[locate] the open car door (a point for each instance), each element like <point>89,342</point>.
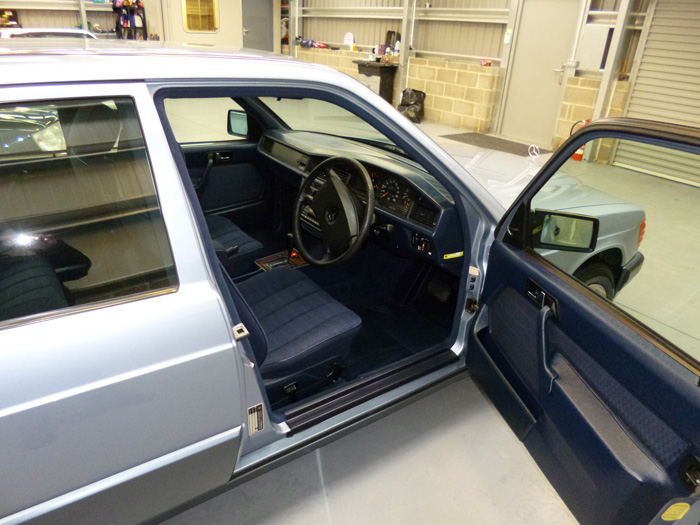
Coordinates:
<point>588,348</point>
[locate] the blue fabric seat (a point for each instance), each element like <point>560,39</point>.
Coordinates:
<point>303,326</point>
<point>229,236</point>
<point>28,285</point>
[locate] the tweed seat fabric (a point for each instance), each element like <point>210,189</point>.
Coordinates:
<point>228,235</point>
<point>304,326</point>
<point>28,285</point>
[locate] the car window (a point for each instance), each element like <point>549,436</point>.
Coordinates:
<point>80,220</point>
<point>644,199</point>
<point>201,119</point>
<point>308,114</point>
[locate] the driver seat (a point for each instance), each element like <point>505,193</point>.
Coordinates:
<point>297,329</point>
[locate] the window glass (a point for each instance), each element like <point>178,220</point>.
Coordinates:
<point>645,199</point>
<point>79,216</point>
<point>307,114</point>
<point>200,119</point>
<point>201,15</point>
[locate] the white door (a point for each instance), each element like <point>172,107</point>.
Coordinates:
<point>543,43</point>
<point>203,22</point>
<point>258,25</point>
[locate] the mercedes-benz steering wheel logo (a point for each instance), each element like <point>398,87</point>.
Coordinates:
<point>331,215</point>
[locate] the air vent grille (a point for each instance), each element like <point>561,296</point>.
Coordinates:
<point>424,215</point>
<point>266,144</point>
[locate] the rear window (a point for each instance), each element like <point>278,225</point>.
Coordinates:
<point>80,221</point>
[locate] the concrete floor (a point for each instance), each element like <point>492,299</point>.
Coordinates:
<point>448,458</point>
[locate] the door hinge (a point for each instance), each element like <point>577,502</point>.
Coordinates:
<point>240,332</point>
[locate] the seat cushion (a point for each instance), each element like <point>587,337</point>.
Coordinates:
<point>228,235</point>
<point>304,325</point>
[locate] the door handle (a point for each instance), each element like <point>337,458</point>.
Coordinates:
<point>560,75</point>
<point>548,310</point>
<point>550,375</point>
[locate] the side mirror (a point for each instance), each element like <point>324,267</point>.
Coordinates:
<point>237,123</point>
<point>567,232</point>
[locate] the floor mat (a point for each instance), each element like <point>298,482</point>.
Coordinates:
<point>489,142</point>
<point>390,333</point>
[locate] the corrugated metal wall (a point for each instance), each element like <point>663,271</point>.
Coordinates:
<point>461,38</point>
<point>667,88</point>
<point>455,27</point>
<point>332,30</point>
<point>353,3</point>
<point>64,19</point>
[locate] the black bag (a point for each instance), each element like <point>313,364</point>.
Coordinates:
<point>412,105</point>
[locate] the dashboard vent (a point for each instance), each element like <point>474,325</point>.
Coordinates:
<point>311,164</point>
<point>266,144</point>
<point>424,215</point>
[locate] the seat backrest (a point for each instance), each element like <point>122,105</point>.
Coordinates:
<point>258,339</point>
<point>28,285</point>
<point>94,129</point>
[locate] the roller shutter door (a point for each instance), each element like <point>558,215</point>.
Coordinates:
<point>667,88</point>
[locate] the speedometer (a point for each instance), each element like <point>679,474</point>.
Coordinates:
<point>389,191</point>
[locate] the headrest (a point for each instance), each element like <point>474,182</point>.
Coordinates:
<point>95,129</point>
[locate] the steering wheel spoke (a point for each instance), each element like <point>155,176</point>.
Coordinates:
<point>343,221</point>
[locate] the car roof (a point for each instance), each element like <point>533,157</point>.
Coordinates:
<point>35,62</point>
<point>52,30</point>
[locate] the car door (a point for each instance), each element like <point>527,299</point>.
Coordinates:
<point>119,376</point>
<point>603,391</point>
<point>222,158</point>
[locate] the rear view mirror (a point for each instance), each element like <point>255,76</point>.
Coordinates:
<point>237,123</point>
<point>568,232</point>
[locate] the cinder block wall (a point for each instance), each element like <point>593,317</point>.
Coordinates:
<point>458,93</point>
<point>579,101</point>
<point>578,104</point>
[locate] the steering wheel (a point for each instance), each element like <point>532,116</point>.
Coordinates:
<point>343,220</point>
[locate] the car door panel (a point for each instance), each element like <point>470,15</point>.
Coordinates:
<point>229,179</point>
<point>137,402</point>
<point>594,386</point>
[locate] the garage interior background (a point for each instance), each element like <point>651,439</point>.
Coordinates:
<point>550,64</point>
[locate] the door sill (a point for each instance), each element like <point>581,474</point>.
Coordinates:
<point>307,414</point>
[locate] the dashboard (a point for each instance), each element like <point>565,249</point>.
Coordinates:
<point>413,210</point>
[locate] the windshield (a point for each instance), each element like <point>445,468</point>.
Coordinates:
<point>318,116</point>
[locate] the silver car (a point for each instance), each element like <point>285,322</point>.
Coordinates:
<point>223,261</point>
<point>614,260</point>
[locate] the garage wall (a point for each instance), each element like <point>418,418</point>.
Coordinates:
<point>65,18</point>
<point>464,28</point>
<point>459,93</point>
<point>666,86</point>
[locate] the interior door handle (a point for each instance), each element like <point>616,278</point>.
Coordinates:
<point>543,316</point>
<point>548,310</point>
